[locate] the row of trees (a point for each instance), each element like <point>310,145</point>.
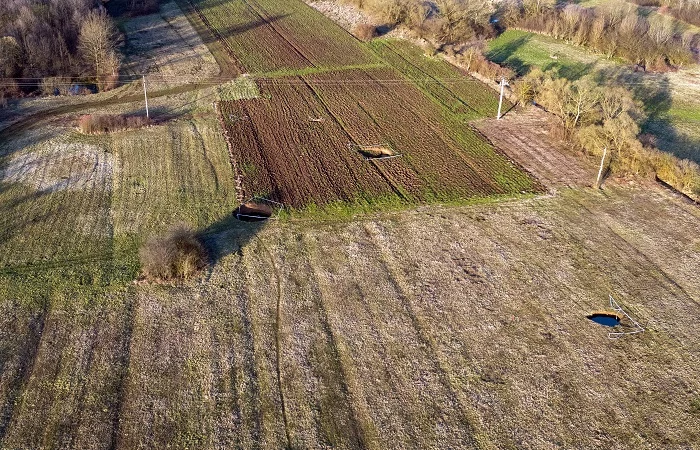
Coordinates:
<point>43,39</point>
<point>614,28</point>
<point>598,117</point>
<point>685,10</point>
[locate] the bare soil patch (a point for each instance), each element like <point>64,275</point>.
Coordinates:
<point>525,136</point>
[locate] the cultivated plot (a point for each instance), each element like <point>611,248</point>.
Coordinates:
<point>304,144</point>
<point>450,86</point>
<point>268,36</point>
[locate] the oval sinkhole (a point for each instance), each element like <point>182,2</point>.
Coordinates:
<point>376,151</point>
<point>605,318</point>
<point>253,212</point>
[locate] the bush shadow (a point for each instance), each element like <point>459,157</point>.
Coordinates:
<point>228,235</point>
<point>504,55</point>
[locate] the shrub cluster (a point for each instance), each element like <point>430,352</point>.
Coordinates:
<point>685,10</point>
<point>596,117</point>
<point>365,31</point>
<point>615,28</point>
<point>444,22</point>
<point>471,57</point>
<point>107,123</point>
<point>49,38</point>
<point>177,254</point>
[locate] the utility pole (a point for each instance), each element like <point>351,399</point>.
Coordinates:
<point>500,101</point>
<point>600,171</point>
<point>145,95</point>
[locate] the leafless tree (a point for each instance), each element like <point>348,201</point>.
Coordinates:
<point>98,43</point>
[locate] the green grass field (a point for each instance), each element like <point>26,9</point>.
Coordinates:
<point>522,50</point>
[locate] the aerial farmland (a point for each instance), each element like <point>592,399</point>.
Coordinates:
<point>368,258</point>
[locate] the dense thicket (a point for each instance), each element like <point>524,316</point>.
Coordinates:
<point>598,117</point>
<point>43,39</point>
<point>685,10</point>
<point>132,7</point>
<point>445,22</point>
<point>614,28</point>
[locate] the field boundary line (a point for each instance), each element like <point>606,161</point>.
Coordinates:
<point>237,172</point>
<point>215,33</point>
<point>539,183</point>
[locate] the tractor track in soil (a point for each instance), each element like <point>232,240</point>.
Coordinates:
<point>278,343</point>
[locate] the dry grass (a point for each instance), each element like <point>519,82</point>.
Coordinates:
<point>365,31</point>
<point>438,328</point>
<point>177,254</point>
<point>166,46</point>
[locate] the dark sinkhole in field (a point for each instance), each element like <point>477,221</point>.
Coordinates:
<point>606,319</point>
<point>253,212</point>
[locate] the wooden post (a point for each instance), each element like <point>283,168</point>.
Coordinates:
<point>600,171</point>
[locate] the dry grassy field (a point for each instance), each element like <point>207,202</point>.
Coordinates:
<point>414,325</point>
<point>443,327</point>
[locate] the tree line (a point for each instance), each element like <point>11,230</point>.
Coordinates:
<point>594,117</point>
<point>614,28</point>
<point>685,10</point>
<point>48,44</point>
<point>444,22</point>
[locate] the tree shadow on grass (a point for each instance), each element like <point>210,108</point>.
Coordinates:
<point>654,93</point>
<point>571,71</point>
<point>504,55</point>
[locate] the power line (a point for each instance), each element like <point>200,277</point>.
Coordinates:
<point>302,78</point>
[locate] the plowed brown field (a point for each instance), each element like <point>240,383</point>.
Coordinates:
<point>292,145</point>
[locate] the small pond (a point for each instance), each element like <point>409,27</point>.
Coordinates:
<point>609,320</point>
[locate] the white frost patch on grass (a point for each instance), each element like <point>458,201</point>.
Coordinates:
<point>62,166</point>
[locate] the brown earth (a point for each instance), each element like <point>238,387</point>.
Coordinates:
<point>526,136</point>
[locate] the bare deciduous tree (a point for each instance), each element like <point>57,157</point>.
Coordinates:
<point>98,44</point>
